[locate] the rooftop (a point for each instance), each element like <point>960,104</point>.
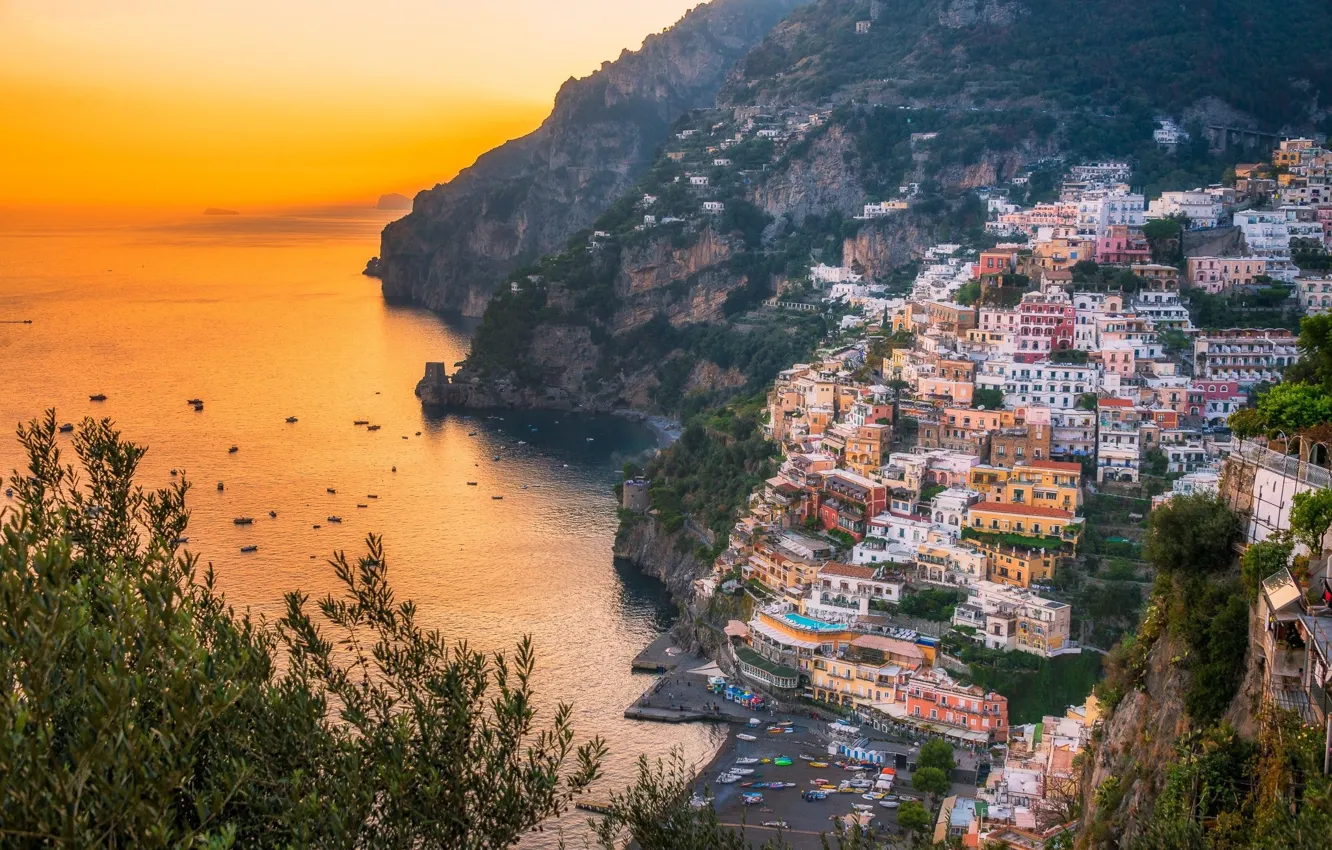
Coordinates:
<point>1022,510</point>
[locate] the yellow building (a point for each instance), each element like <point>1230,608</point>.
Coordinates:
<point>1032,521</point>
<point>870,671</point>
<point>867,450</point>
<point>1017,566</point>
<point>1048,484</point>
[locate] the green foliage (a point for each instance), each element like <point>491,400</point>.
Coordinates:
<point>1087,401</point>
<point>501,342</point>
<point>936,753</point>
<point>1156,461</point>
<point>1213,621</point>
<point>1292,408</point>
<point>711,470</point>
<point>1260,561</point>
<point>140,710</point>
<point>930,780</point>
<point>1034,686</point>
<point>1191,536</point>
<point>988,398</point>
<point>931,603</point>
<point>913,817</point>
<point>1239,309</point>
<point>1174,341</point>
<point>1072,356</point>
<point>1310,518</point>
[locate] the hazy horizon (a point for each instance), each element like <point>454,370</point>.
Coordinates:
<point>240,104</point>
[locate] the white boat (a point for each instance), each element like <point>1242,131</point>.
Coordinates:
<point>746,761</point>
<point>742,771</point>
<point>728,778</point>
<point>804,757</point>
<point>742,736</point>
<point>889,804</point>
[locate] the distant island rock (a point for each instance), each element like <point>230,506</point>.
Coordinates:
<point>372,268</point>
<point>394,201</point>
<point>219,211</point>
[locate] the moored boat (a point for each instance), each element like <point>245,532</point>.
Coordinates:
<point>249,548</point>
<point>233,450</point>
<point>373,427</point>
<point>66,428</point>
<point>98,397</point>
<point>335,519</point>
<point>292,419</point>
<point>243,520</point>
<point>361,422</point>
<point>746,737</point>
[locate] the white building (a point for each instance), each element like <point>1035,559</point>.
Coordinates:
<point>1009,618</point>
<point>1169,134</point>
<point>1202,207</point>
<point>714,207</point>
<point>698,180</point>
<point>1099,210</point>
<point>883,208</point>
<point>1266,232</point>
<point>1072,433</point>
<point>833,274</point>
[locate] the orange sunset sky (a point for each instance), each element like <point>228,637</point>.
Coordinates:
<point>271,102</point>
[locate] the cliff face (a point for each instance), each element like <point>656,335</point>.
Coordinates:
<point>662,555</point>
<point>525,198</point>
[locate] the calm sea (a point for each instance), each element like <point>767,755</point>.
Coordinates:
<point>265,318</point>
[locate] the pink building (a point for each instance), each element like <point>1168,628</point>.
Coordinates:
<point>1118,357</point>
<point>959,391</point>
<point>1217,274</point>
<point>1044,325</point>
<point>1214,399</point>
<point>1122,245</point>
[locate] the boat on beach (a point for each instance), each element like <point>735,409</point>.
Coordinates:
<point>746,737</point>
<point>746,761</point>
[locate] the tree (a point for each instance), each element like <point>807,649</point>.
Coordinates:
<point>1174,341</point>
<point>936,753</point>
<point>1261,560</point>
<point>988,398</point>
<point>1087,401</point>
<point>1310,518</point>
<point>1247,423</point>
<point>1292,408</point>
<point>931,780</point>
<point>1191,535</point>
<point>140,710</point>
<point>913,817</point>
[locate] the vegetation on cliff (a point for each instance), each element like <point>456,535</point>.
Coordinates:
<point>1096,55</point>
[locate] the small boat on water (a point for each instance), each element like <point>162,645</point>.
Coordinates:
<point>173,473</point>
<point>249,548</point>
<point>194,401</point>
<point>395,469</point>
<point>181,541</point>
<point>471,433</point>
<point>496,457</point>
<point>804,757</point>
<point>371,496</point>
<point>331,491</point>
<point>361,422</point>
<point>746,737</point>
<point>497,498</point>
<point>318,526</point>
<point>373,427</point>
<point>291,419</point>
<point>219,486</point>
<point>471,483</point>
<point>273,514</point>
<point>198,407</point>
<point>524,486</point>
<point>98,397</point>
<point>66,428</point>
<point>233,450</point>
<point>418,433</point>
<point>746,761</point>
<point>522,442</point>
<point>243,520</point>
<point>335,519</point>
<point>743,771</point>
<point>590,439</point>
<point>362,506</point>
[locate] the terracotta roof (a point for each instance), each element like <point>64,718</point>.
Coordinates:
<point>1056,465</point>
<point>1021,510</point>
<point>891,646</point>
<point>848,570</point>
<point>1114,402</point>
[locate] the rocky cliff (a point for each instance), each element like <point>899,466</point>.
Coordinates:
<point>525,198</point>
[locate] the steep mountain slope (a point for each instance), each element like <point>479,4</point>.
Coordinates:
<point>1169,55</point>
<point>820,119</point>
<point>524,198</point>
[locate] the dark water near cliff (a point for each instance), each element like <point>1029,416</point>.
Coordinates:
<point>265,318</point>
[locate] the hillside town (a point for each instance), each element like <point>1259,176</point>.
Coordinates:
<point>944,449</point>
